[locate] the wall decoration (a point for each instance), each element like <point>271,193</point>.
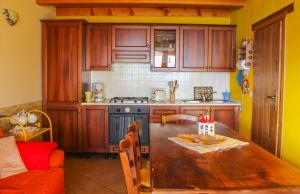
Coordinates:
<point>245,86</point>
<point>11,16</point>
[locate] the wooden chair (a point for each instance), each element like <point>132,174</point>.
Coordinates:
<point>136,144</point>
<point>126,153</point>
<point>176,117</point>
<point>143,171</point>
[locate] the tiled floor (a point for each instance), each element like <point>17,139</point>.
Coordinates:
<point>94,175</point>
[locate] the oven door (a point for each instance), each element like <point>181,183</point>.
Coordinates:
<point>143,124</point>
<point>118,126</point>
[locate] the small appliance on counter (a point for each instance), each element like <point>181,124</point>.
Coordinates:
<point>98,94</point>
<point>159,95</point>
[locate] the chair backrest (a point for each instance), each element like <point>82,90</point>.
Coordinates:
<point>176,117</point>
<point>134,129</point>
<point>129,166</point>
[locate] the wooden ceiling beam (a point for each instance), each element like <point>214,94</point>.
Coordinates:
<point>227,4</point>
<point>154,12</point>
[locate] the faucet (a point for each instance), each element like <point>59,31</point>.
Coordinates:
<point>203,98</point>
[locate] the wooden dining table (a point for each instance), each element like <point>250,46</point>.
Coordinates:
<point>246,169</point>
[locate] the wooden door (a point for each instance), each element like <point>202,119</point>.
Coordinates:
<point>229,115</point>
<point>98,47</point>
<point>131,38</point>
<point>165,48</point>
<point>221,49</point>
<point>268,78</point>
<point>193,48</point>
<point>157,111</point>
<point>62,61</point>
<point>95,129</point>
<point>66,126</point>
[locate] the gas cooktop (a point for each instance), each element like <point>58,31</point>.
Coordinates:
<point>129,100</point>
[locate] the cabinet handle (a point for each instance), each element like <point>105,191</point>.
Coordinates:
<point>148,45</point>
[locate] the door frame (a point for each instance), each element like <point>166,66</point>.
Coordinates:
<point>277,17</point>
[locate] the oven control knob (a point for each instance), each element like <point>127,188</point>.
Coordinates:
<point>127,109</point>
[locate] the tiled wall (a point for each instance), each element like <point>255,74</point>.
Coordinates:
<point>138,80</point>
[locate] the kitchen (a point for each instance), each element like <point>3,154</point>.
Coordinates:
<point>126,74</point>
<point>105,67</point>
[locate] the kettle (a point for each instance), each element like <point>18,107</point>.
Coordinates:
<point>159,94</point>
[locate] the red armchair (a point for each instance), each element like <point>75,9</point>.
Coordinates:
<point>50,181</point>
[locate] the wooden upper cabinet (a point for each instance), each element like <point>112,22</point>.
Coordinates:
<point>221,48</point>
<point>131,38</point>
<point>98,47</point>
<point>95,129</point>
<point>193,48</point>
<point>131,43</point>
<point>165,48</point>
<point>62,61</point>
<point>229,115</point>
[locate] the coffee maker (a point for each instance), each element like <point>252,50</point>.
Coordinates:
<point>98,94</point>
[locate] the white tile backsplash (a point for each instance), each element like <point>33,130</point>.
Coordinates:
<point>138,80</point>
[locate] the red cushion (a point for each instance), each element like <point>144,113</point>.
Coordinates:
<point>1,133</point>
<point>34,182</point>
<point>36,155</point>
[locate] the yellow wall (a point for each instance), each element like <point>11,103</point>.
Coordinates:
<point>254,11</point>
<point>20,53</point>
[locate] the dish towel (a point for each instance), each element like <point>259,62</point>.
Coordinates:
<point>228,143</point>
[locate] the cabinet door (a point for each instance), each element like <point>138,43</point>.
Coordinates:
<point>221,49</point>
<point>62,61</point>
<point>157,111</point>
<point>229,115</point>
<point>98,47</point>
<point>194,110</point>
<point>131,38</point>
<point>165,48</point>
<point>66,126</point>
<point>193,48</point>
<point>129,56</point>
<point>95,129</point>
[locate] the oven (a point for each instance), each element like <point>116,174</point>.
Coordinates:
<point>120,116</point>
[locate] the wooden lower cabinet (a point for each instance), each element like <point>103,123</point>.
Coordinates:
<point>229,115</point>
<point>157,111</point>
<point>194,110</point>
<point>95,129</point>
<point>66,126</point>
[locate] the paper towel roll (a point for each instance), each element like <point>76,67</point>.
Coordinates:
<point>241,65</point>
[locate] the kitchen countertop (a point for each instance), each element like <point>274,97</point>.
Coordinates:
<point>216,102</point>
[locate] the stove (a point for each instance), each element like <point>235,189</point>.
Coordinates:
<point>129,100</point>
<point>122,112</point>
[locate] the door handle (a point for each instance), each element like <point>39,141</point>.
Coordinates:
<point>274,98</point>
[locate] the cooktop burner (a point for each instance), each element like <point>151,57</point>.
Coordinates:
<point>129,100</point>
